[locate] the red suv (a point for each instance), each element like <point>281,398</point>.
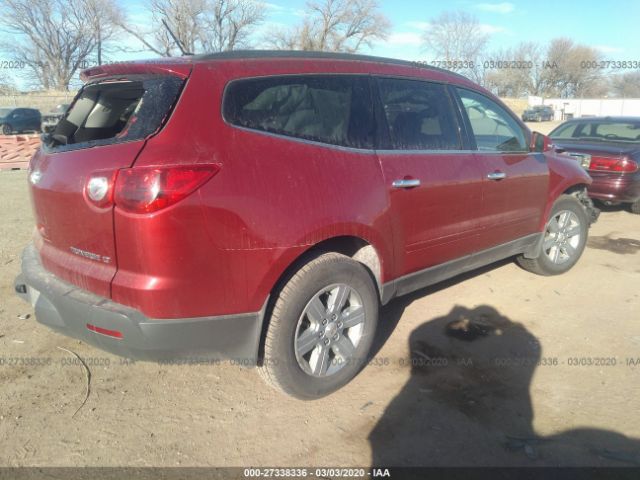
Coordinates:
<point>261,206</point>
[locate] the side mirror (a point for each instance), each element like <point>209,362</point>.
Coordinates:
<point>540,143</point>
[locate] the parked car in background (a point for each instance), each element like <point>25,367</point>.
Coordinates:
<point>51,119</point>
<point>18,120</point>
<point>609,148</point>
<point>539,113</point>
<point>261,206</point>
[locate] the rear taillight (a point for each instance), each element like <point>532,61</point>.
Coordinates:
<point>99,188</point>
<point>148,189</point>
<point>613,164</point>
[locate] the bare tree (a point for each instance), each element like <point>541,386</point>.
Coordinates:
<point>230,24</point>
<point>566,72</point>
<point>517,71</point>
<point>457,38</point>
<point>626,85</point>
<point>199,25</point>
<point>54,38</point>
<point>106,16</point>
<point>335,25</point>
<point>7,85</point>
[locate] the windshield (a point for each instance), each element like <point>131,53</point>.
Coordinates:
<point>599,131</point>
<point>5,111</point>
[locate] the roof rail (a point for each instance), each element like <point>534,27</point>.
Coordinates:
<point>243,54</point>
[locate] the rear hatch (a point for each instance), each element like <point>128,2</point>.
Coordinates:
<point>71,177</point>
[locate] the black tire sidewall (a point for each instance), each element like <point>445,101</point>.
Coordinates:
<point>350,273</point>
<point>570,204</point>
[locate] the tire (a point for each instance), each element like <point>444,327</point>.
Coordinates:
<point>635,207</point>
<point>565,237</point>
<point>7,129</point>
<point>303,310</point>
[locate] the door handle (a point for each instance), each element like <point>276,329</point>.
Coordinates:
<point>406,183</point>
<point>496,175</point>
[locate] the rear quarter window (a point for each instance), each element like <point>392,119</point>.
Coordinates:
<point>329,109</point>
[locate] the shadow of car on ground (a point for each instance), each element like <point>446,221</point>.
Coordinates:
<point>468,403</point>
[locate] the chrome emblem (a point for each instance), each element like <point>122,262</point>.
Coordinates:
<point>35,177</point>
<point>90,255</point>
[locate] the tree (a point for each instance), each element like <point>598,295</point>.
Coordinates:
<point>54,38</point>
<point>106,16</point>
<point>626,85</point>
<point>566,72</point>
<point>559,70</point>
<point>199,25</point>
<point>517,71</point>
<point>457,38</point>
<point>335,26</point>
<point>7,86</point>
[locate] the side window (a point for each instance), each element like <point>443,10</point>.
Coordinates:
<point>419,115</point>
<point>331,109</point>
<point>493,128</point>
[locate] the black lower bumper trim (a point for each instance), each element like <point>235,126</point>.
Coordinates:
<point>68,309</point>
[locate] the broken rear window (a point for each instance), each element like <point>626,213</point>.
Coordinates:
<point>115,111</point>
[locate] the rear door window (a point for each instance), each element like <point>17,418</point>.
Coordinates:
<point>114,111</point>
<point>494,129</point>
<point>332,109</point>
<point>419,115</point>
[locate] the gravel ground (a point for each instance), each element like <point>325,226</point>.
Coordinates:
<point>498,367</point>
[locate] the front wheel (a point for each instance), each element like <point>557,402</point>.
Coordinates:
<point>565,237</point>
<point>321,327</point>
<point>6,129</point>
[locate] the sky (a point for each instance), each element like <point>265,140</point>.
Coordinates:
<point>611,25</point>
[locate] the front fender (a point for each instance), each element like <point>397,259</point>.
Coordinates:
<point>565,174</point>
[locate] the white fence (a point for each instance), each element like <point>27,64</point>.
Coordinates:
<point>565,108</point>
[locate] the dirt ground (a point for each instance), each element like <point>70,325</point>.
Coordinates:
<point>498,367</point>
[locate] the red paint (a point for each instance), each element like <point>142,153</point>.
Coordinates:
<point>221,247</point>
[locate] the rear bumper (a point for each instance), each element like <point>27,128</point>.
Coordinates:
<point>615,188</point>
<point>69,309</point>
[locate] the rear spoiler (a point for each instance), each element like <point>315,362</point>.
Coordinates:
<point>180,67</point>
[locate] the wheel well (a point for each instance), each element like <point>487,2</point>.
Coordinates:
<point>575,189</point>
<point>354,247</point>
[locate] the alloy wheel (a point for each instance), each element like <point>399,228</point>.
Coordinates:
<point>329,330</point>
<point>562,237</point>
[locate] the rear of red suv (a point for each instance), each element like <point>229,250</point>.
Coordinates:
<point>261,207</point>
<point>113,191</point>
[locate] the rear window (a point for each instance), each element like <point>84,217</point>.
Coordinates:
<point>599,131</point>
<point>114,111</point>
<point>330,109</point>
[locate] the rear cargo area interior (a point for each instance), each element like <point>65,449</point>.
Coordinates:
<point>102,111</point>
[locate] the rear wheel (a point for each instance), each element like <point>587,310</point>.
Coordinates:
<point>321,327</point>
<point>565,237</point>
<point>635,207</point>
